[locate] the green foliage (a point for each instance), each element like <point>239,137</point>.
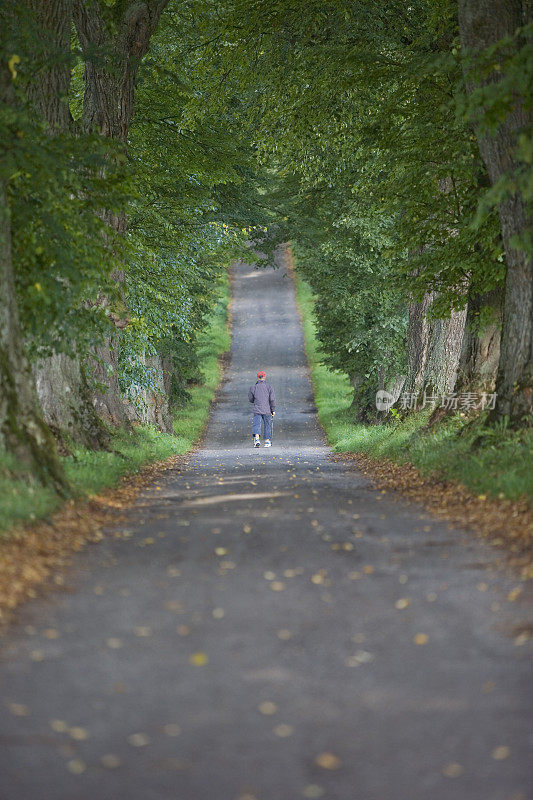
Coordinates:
<point>496,460</point>
<point>89,472</point>
<point>361,113</point>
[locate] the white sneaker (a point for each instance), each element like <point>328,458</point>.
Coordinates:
<point>268,443</point>
<point>257,441</point>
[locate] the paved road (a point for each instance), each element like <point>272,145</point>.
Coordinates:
<point>268,625</point>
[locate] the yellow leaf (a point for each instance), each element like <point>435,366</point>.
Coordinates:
<point>403,602</point>
<point>452,770</point>
<point>500,753</point>
<point>267,708</point>
<point>198,659</point>
<point>79,734</point>
<point>328,761</point>
<point>172,729</point>
<point>18,709</point>
<point>11,65</point>
<point>110,761</point>
<point>138,739</point>
<point>58,725</point>
<point>283,730</point>
<point>76,766</point>
<point>421,638</point>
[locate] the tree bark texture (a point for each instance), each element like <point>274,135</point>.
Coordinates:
<point>67,403</point>
<point>480,352</point>
<point>62,387</point>
<point>483,23</point>
<point>111,66</point>
<point>443,352</point>
<point>417,344</point>
<point>22,430</point>
<point>152,407</point>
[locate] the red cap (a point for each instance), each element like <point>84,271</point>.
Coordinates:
<point>261,374</point>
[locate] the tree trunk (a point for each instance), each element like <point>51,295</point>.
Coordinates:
<point>62,387</point>
<point>481,24</point>
<point>443,352</point>
<point>22,430</point>
<point>66,402</point>
<point>151,407</point>
<point>111,66</point>
<point>480,353</point>
<point>417,344</point>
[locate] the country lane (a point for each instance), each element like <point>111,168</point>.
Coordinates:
<point>267,625</point>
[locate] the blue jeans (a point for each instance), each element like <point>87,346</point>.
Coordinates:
<point>266,419</point>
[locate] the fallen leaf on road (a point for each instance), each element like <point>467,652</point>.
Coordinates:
<point>267,707</point>
<point>283,730</point>
<point>368,570</point>
<point>171,729</point>
<point>328,761</point>
<point>37,655</point>
<point>221,551</point>
<point>110,761</point>
<point>173,605</point>
<point>113,643</point>
<point>78,733</point>
<point>284,634</point>
<point>139,739</point>
<point>218,613</point>
<point>19,709</point>
<point>452,770</point>
<point>58,725</point>
<point>142,630</point>
<point>403,602</point>
<point>76,766</point>
<point>277,586</point>
<point>500,753</point>
<point>421,638</point>
<point>198,659</point>
<point>313,791</point>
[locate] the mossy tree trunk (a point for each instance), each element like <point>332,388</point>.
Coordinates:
<point>483,23</point>
<point>114,40</point>
<point>23,432</point>
<point>61,382</point>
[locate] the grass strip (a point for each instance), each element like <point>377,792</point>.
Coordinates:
<point>491,461</point>
<point>91,471</point>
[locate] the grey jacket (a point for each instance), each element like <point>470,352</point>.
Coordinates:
<point>262,396</point>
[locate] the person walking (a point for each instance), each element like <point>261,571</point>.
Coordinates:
<point>264,400</point>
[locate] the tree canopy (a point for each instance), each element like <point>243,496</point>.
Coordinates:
<point>146,145</point>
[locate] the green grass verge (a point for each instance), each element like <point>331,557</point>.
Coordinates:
<point>89,472</point>
<point>492,461</point>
